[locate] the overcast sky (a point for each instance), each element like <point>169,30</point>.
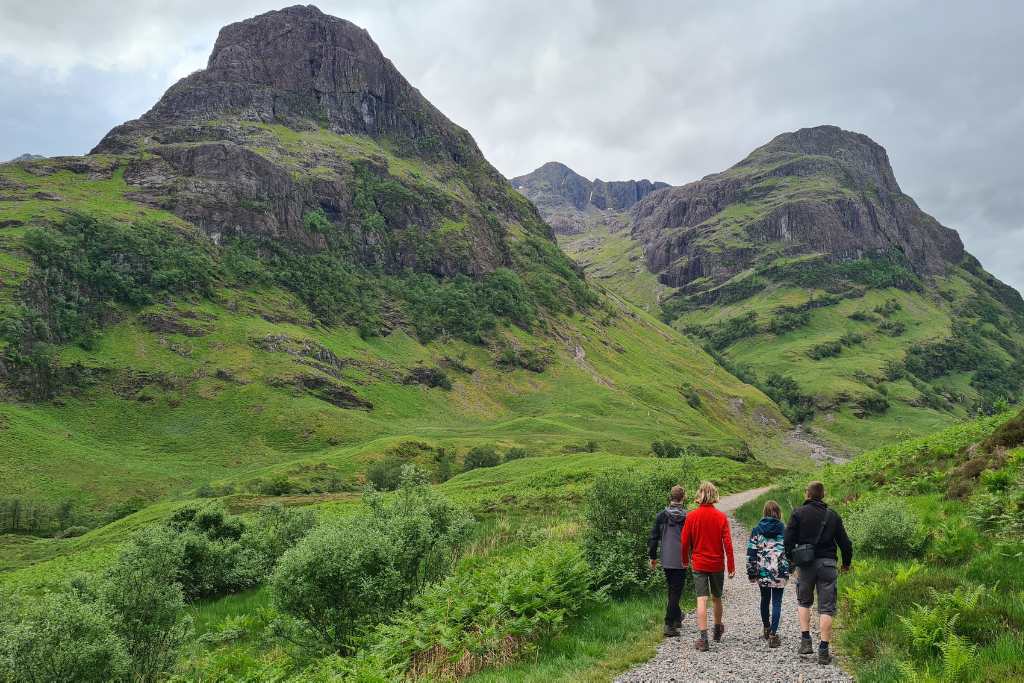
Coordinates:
<point>666,90</point>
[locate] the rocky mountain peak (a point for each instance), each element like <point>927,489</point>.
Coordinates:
<point>300,67</point>
<point>562,195</point>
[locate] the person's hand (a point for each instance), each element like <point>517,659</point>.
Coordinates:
<point>732,575</point>
<point>751,580</point>
<point>686,566</point>
<point>654,564</point>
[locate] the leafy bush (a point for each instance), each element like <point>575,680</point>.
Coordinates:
<point>386,474</point>
<point>480,456</point>
<point>618,515</point>
<point>487,613</point>
<point>271,533</point>
<point>352,573</point>
<point>666,449</point>
<point>887,528</point>
<point>60,638</point>
<point>316,221</point>
<point>788,318</point>
<point>785,391</point>
<point>145,601</point>
<point>516,453</point>
<point>824,350</point>
<point>534,359</point>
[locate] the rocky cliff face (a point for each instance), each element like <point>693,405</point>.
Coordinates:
<point>565,198</point>
<point>817,190</point>
<point>299,114</point>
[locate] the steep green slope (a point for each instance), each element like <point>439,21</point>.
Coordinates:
<point>808,272</point>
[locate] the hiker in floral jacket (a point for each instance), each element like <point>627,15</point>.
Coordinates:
<point>768,567</point>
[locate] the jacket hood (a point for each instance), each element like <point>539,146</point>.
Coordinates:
<point>769,527</point>
<point>676,514</point>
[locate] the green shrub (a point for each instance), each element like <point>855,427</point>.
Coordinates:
<point>824,350</point>
<point>618,514</point>
<point>270,534</point>
<point>60,637</point>
<point>145,602</point>
<point>316,221</point>
<point>350,574</point>
<point>487,613</point>
<point>516,453</point>
<point>386,474</point>
<point>480,456</point>
<point>666,449</point>
<point>887,528</point>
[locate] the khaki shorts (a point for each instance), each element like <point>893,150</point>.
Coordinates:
<point>709,584</point>
<point>820,576</point>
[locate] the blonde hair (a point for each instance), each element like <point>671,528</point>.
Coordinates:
<point>707,493</point>
<point>772,509</point>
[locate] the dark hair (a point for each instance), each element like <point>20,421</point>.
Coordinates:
<point>772,509</point>
<point>816,490</point>
<point>677,494</point>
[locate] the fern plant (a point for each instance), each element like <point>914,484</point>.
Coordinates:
<point>957,658</point>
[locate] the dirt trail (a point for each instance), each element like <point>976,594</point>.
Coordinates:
<point>741,656</point>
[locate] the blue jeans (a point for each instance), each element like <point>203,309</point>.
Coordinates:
<point>775,596</point>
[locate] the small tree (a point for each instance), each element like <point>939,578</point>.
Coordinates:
<point>61,638</point>
<point>481,456</point>
<point>516,454</point>
<point>618,516</point>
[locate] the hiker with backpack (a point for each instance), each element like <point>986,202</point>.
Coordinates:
<point>768,567</point>
<point>707,545</point>
<point>811,537</point>
<point>666,535</point>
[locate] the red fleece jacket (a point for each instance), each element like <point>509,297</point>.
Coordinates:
<point>706,536</point>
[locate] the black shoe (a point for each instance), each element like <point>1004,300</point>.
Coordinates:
<point>806,647</point>
<point>671,631</point>
<point>700,645</point>
<point>767,632</point>
<point>719,630</point>
<point>774,640</point>
<point>678,623</point>
<point>824,658</point>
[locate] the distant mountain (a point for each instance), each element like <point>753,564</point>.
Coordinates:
<point>569,202</point>
<point>26,157</point>
<point>807,270</point>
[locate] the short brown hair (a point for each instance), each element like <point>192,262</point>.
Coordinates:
<point>816,490</point>
<point>677,494</point>
<point>707,493</point>
<point>772,509</point>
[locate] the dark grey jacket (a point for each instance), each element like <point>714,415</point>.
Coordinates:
<point>666,533</point>
<point>803,527</point>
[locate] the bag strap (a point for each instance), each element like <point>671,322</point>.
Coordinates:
<point>824,523</point>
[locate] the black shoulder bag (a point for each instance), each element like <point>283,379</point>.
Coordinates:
<point>803,554</point>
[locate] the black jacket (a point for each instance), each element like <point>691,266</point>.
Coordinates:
<point>803,527</point>
<point>666,533</point>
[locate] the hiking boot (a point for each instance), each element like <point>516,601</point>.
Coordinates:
<point>806,647</point>
<point>671,631</point>
<point>824,657</point>
<point>719,630</point>
<point>700,645</point>
<point>767,632</point>
<point>774,640</point>
<point>678,623</point>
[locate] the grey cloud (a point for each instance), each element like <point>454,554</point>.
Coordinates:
<point>665,90</point>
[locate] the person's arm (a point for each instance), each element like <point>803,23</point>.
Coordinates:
<point>655,538</point>
<point>752,558</point>
<point>727,543</point>
<point>684,541</point>
<point>845,545</point>
<point>792,534</point>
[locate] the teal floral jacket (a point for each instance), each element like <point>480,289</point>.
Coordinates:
<point>766,556</point>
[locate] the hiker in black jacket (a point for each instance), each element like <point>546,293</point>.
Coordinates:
<point>813,532</point>
<point>666,533</point>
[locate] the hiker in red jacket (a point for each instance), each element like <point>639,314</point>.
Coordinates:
<point>707,539</point>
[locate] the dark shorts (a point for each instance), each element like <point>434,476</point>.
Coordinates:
<point>709,584</point>
<point>820,576</point>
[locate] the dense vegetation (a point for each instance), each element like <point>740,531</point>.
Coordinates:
<point>937,589</point>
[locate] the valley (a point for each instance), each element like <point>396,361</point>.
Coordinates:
<point>296,386</point>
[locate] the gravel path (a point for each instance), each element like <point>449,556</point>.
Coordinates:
<point>742,655</point>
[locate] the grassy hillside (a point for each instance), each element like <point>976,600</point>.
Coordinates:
<point>936,591</point>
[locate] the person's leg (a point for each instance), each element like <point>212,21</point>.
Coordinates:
<point>805,582</point>
<point>702,614</point>
<point>826,628</point>
<point>766,595</point>
<point>828,574</point>
<point>673,615</point>
<point>776,595</point>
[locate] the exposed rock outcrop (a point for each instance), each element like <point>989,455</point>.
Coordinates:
<point>818,190</point>
<point>565,198</point>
